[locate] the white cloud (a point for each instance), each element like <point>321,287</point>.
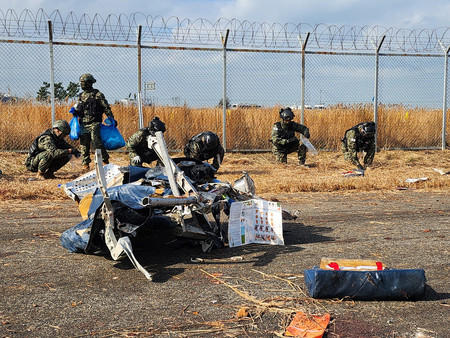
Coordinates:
<point>388,13</point>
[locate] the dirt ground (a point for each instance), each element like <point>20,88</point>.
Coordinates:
<point>47,291</point>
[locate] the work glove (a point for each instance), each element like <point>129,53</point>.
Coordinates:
<point>136,161</point>
<point>306,135</point>
<point>73,111</point>
<point>76,153</point>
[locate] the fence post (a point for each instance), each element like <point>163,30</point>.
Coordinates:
<point>375,95</point>
<point>52,69</point>
<point>302,98</point>
<point>444,103</point>
<point>140,115</point>
<point>224,95</point>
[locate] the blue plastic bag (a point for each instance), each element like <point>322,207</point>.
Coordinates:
<point>74,128</point>
<point>111,137</point>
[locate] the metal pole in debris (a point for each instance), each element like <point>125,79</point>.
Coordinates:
<point>167,163</point>
<point>302,120</point>
<point>444,103</point>
<point>224,94</point>
<point>375,95</point>
<point>140,116</point>
<point>52,69</point>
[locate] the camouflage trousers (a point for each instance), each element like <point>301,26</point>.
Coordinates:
<point>90,133</point>
<point>347,155</point>
<point>43,162</point>
<point>281,152</point>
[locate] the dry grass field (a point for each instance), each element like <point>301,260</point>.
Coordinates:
<point>398,126</point>
<point>388,174</point>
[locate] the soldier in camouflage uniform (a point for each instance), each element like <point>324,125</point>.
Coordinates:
<point>137,144</point>
<point>90,108</point>
<point>283,137</point>
<point>205,146</point>
<point>359,138</point>
<point>49,152</point>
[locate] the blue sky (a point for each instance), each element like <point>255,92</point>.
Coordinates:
<point>408,14</point>
<point>411,14</point>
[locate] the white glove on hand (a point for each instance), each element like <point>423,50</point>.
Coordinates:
<point>137,161</point>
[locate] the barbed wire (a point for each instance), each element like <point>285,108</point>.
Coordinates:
<point>158,30</point>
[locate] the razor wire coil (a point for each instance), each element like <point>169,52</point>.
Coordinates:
<point>173,30</point>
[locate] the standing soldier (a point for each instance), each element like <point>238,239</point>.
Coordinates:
<point>205,146</point>
<point>360,138</point>
<point>90,108</point>
<point>49,152</point>
<point>137,144</point>
<point>283,137</point>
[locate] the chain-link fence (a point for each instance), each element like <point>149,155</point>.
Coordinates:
<point>186,86</point>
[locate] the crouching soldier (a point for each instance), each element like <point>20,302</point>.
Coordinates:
<point>359,138</point>
<point>49,152</point>
<point>283,137</point>
<point>137,145</point>
<point>205,146</point>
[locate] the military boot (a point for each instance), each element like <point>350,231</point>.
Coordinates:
<point>50,175</point>
<point>85,168</point>
<point>302,164</point>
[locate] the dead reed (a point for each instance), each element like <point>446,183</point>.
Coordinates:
<point>399,126</point>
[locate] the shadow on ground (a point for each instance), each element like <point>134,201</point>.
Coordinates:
<point>158,252</point>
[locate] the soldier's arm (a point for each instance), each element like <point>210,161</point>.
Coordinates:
<point>105,105</point>
<point>133,143</point>
<point>300,128</point>
<point>46,143</point>
<point>219,157</point>
<point>368,159</point>
<point>276,136</point>
<point>196,151</point>
<point>66,145</point>
<point>78,107</point>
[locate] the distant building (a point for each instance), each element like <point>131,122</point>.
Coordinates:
<point>244,105</point>
<point>128,102</point>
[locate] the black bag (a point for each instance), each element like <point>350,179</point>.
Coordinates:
<point>199,172</point>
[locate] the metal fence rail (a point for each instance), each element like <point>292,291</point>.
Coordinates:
<point>182,71</point>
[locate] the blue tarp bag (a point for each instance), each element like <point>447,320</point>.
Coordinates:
<point>74,128</point>
<point>76,239</point>
<point>111,137</point>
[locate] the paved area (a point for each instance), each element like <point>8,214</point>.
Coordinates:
<point>46,291</point>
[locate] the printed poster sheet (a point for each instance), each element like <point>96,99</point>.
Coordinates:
<point>255,221</point>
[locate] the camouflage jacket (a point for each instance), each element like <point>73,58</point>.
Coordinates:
<point>282,132</point>
<point>196,149</point>
<point>91,106</point>
<point>354,142</point>
<point>137,143</point>
<point>49,142</point>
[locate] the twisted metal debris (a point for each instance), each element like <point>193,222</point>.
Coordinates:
<point>202,32</point>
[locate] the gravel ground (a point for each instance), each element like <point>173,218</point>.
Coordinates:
<point>47,291</point>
